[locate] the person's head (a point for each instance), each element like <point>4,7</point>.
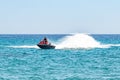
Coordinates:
<point>45,38</point>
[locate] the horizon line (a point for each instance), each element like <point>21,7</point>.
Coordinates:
<point>51,33</point>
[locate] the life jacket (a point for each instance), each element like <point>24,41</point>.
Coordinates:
<point>46,42</point>
<point>41,43</point>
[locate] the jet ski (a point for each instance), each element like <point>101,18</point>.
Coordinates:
<point>44,44</point>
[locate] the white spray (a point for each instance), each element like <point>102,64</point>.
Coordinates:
<point>78,41</point>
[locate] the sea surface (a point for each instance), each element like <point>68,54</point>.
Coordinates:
<point>76,57</point>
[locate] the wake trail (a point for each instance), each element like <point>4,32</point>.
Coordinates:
<point>80,40</point>
<point>25,46</point>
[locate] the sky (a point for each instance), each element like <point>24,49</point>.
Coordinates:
<point>59,16</point>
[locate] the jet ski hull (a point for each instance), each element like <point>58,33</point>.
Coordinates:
<point>46,46</point>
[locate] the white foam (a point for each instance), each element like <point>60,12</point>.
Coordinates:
<point>25,46</point>
<point>79,41</point>
<point>110,45</point>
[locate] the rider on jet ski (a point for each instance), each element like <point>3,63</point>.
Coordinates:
<point>44,44</point>
<point>44,41</point>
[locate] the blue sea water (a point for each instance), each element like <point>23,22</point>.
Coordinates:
<point>21,59</point>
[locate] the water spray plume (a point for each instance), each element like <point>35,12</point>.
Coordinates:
<point>78,41</point>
